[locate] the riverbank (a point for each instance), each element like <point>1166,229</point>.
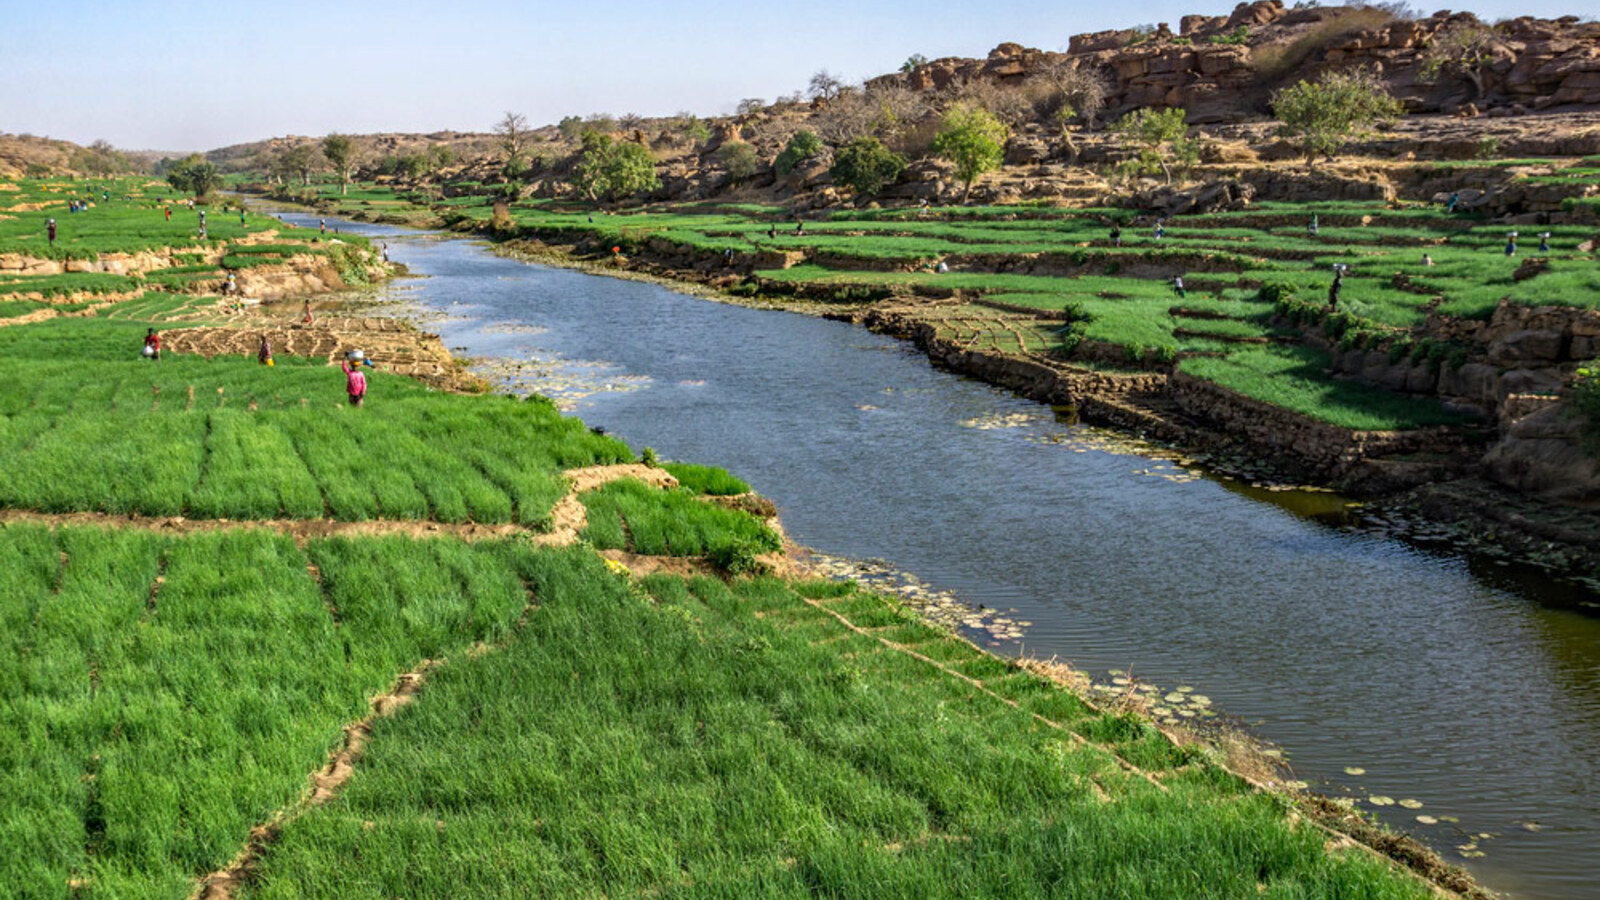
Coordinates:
<point>1406,480</point>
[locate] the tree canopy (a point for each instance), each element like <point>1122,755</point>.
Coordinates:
<point>1323,114</point>
<point>866,165</point>
<point>613,169</point>
<point>193,173</point>
<point>1462,50</point>
<point>973,139</point>
<point>1162,138</point>
<point>340,151</point>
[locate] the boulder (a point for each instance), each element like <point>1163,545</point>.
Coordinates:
<point>1528,345</point>
<point>1544,453</point>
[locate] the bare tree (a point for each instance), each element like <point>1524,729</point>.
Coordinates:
<point>749,106</point>
<point>825,85</point>
<point>1072,90</point>
<point>1462,50</point>
<point>1009,105</point>
<point>847,117</point>
<point>512,134</point>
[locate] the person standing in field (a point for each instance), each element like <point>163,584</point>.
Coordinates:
<point>1161,230</point>
<point>307,318</point>
<point>1511,244</point>
<point>241,215</point>
<point>264,352</point>
<point>1336,287</point>
<point>1116,234</point>
<point>50,228</point>
<point>322,226</point>
<point>152,345</point>
<point>1177,287</point>
<point>355,381</point>
<point>169,214</point>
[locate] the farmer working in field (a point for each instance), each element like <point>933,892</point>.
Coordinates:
<point>152,345</point>
<point>50,228</point>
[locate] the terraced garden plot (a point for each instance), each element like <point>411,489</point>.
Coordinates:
<point>180,437</point>
<point>703,739</point>
<point>160,697</point>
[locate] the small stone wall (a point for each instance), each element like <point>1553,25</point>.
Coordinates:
<point>1329,449</point>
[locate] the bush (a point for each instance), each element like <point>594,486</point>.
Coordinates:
<point>801,147</point>
<point>866,165</point>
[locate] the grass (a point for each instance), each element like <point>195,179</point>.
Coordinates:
<point>1296,378</point>
<point>633,516</point>
<point>703,739</point>
<point>126,439</point>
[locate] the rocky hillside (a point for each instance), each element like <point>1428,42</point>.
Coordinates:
<point>1222,69</point>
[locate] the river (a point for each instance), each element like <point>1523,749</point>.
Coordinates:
<point>1471,689</point>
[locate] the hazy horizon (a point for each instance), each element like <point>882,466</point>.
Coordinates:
<point>154,75</point>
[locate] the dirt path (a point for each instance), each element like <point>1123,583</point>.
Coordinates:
<point>569,515</point>
<point>392,345</point>
<point>325,784</point>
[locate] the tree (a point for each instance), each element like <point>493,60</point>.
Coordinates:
<point>611,170</point>
<point>302,160</point>
<point>193,173</point>
<point>1074,90</point>
<point>1323,114</point>
<point>442,155</point>
<point>1463,50</point>
<point>913,62</point>
<point>341,153</point>
<point>749,106</point>
<point>511,134</point>
<point>802,146</point>
<point>866,165</point>
<point>1161,137</point>
<point>825,85</point>
<point>739,158</point>
<point>973,139</point>
<point>571,127</point>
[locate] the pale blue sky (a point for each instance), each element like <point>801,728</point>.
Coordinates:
<point>171,75</point>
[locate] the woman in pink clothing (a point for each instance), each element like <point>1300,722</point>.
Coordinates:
<point>355,381</point>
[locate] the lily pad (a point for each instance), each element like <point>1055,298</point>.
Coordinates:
<point>1411,804</point>
<point>1174,698</point>
<point>1296,785</point>
<point>1427,820</point>
<point>1354,770</point>
<point>1380,800</point>
<point>1532,826</point>
<point>1199,699</point>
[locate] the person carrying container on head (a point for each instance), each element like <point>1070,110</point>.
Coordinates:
<point>50,229</point>
<point>355,381</point>
<point>1511,243</point>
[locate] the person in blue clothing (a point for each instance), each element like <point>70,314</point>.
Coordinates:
<point>1511,244</point>
<point>1454,199</point>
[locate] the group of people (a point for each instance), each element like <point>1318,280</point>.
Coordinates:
<point>355,380</point>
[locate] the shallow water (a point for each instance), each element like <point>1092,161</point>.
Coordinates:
<point>1471,688</point>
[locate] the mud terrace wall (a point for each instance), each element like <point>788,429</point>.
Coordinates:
<point>1520,353</point>
<point>1330,449</point>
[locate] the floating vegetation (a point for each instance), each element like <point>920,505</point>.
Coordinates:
<point>1380,800</point>
<point>1354,770</point>
<point>1427,820</point>
<point>513,328</point>
<point>993,421</point>
<point>991,627</point>
<point>1411,804</point>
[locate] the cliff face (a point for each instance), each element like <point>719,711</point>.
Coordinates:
<point>1223,69</point>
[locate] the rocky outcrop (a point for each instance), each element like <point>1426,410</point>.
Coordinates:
<point>1544,453</point>
<point>1222,68</point>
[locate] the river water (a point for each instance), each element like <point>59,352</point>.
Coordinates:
<point>1449,681</point>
